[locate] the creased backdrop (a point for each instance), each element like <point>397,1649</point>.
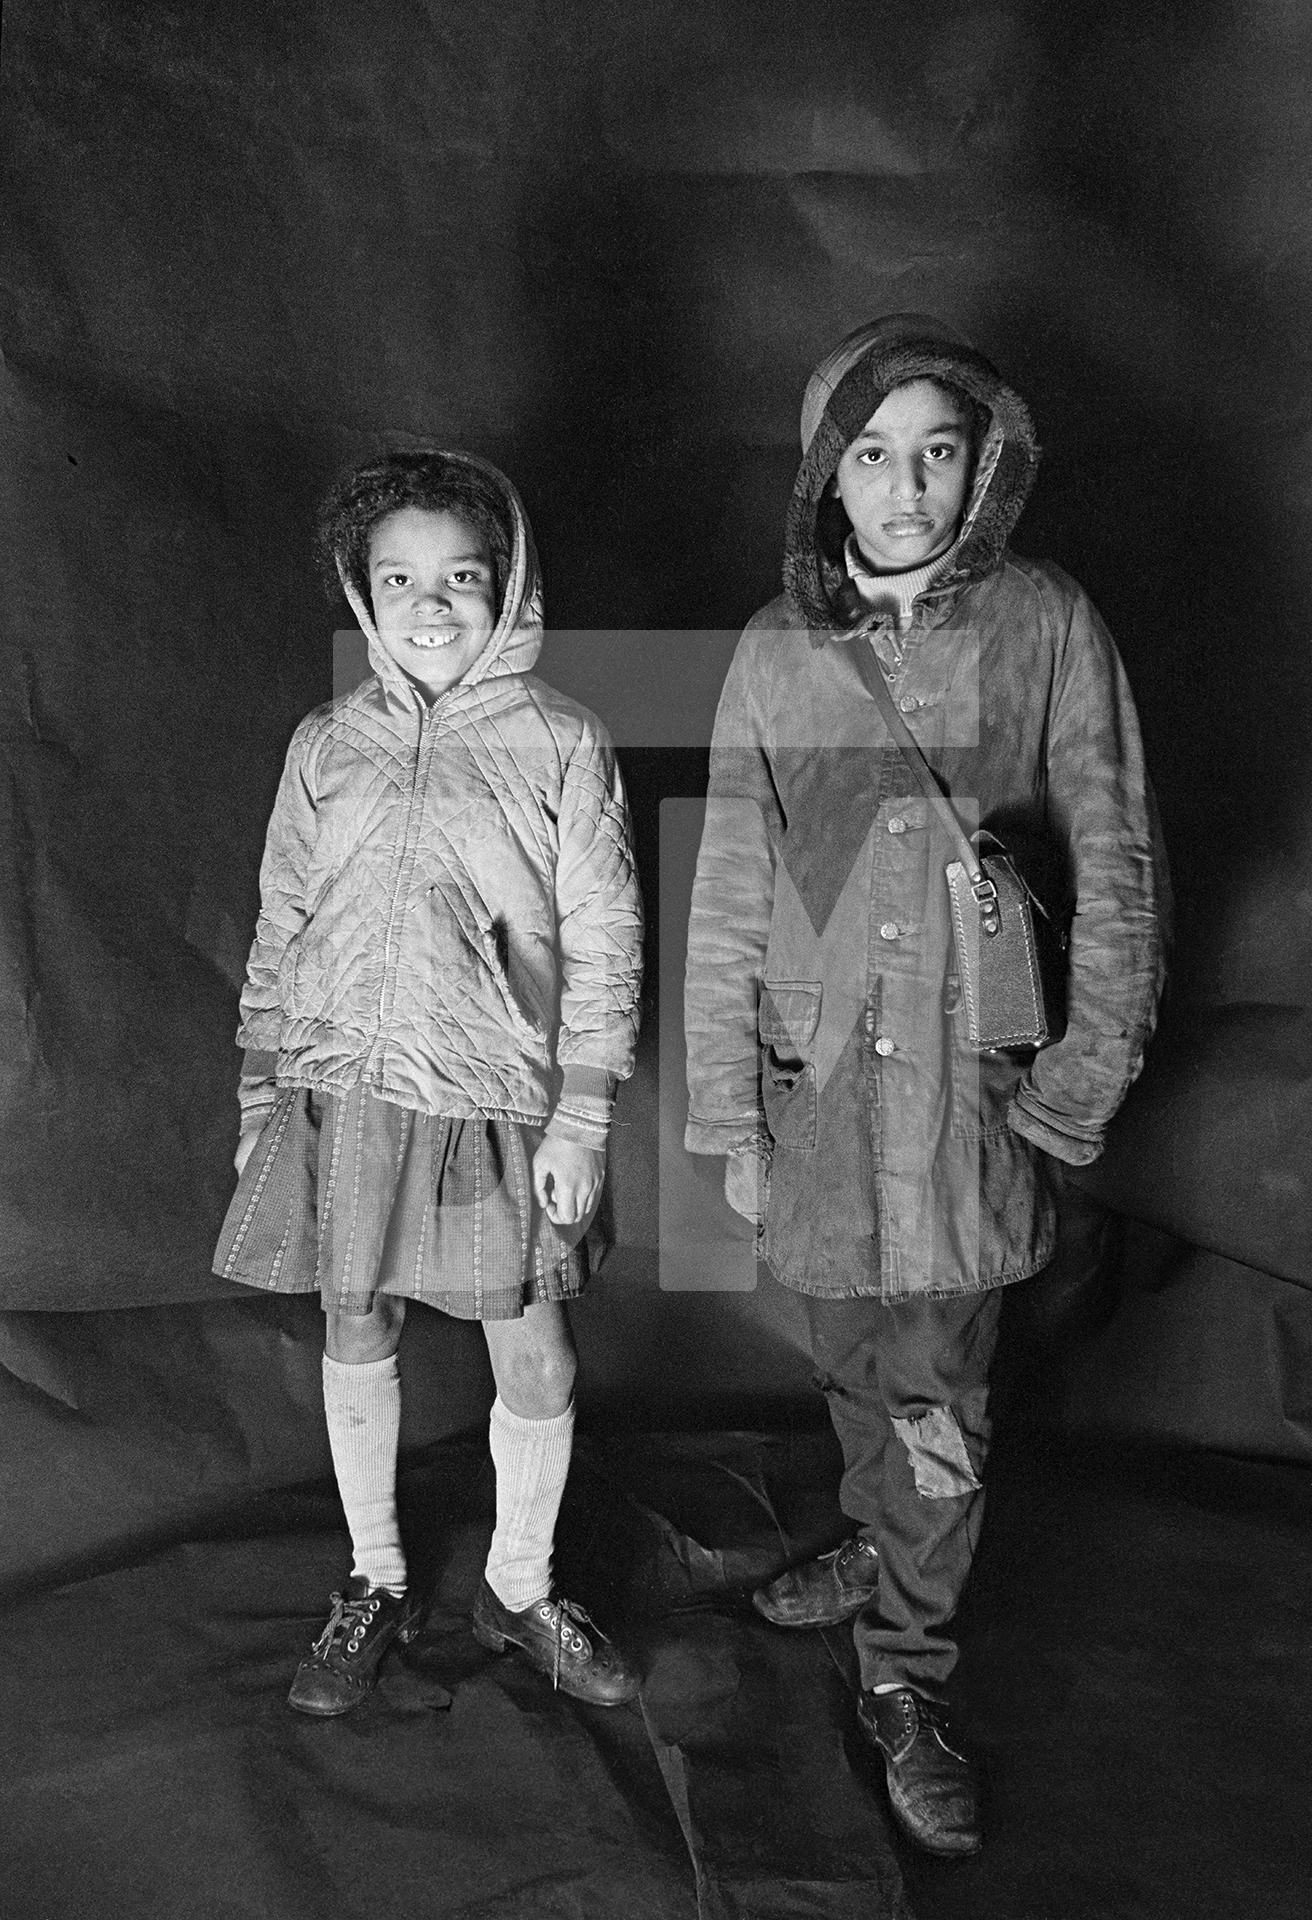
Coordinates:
<point>603,245</point>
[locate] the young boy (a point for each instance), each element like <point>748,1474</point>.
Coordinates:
<point>446,963</point>
<point>898,1177</point>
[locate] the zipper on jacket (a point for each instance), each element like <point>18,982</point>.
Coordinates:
<point>373,1067</point>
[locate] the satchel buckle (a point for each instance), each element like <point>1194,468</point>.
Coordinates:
<point>986,898</point>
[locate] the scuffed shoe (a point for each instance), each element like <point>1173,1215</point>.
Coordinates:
<point>563,1642</point>
<point>342,1666</point>
<point>822,1592</point>
<point>931,1787</point>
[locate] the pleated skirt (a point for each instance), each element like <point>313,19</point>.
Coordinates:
<point>349,1196</point>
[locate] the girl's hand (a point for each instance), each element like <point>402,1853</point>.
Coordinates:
<point>567,1179</point>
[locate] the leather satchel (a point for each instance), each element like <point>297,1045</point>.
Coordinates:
<point>1006,989</point>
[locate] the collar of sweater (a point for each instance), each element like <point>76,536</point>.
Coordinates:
<point>893,593</point>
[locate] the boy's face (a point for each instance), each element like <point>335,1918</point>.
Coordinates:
<point>431,583</point>
<point>904,478</point>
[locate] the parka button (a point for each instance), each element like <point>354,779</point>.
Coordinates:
<point>897,824</point>
<point>908,703</point>
<point>884,1045</point>
<point>889,930</point>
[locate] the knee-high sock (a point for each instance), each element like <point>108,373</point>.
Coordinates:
<point>531,1458</point>
<point>363,1405</point>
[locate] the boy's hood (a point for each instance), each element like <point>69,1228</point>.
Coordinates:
<point>845,389</point>
<point>516,640</point>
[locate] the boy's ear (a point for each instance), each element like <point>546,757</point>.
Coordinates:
<point>832,525</point>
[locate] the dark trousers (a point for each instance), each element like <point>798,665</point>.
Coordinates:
<point>907,1386</point>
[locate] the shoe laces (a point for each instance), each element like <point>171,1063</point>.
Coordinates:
<point>849,1549</point>
<point>933,1718</point>
<point>561,1610</point>
<point>348,1622</point>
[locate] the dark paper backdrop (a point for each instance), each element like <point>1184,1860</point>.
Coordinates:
<point>603,245</point>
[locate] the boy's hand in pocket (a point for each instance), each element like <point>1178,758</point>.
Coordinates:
<point>746,1183</point>
<point>567,1180</point>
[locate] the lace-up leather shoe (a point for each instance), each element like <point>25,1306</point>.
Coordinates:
<point>563,1642</point>
<point>822,1592</point>
<point>342,1666</point>
<point>931,1787</point>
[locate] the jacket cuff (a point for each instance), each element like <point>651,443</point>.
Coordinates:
<point>583,1111</point>
<point>567,1125</point>
<point>589,1083</point>
<point>1037,1127</point>
<point>257,1097</point>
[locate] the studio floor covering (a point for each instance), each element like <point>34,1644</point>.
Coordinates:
<point>1137,1679</point>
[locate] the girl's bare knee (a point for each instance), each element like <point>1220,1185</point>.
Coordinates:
<point>539,1384</point>
<point>534,1365</point>
<point>356,1339</point>
<point>555,1379</point>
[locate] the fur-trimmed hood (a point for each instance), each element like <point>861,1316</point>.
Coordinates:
<point>843,392</point>
<point>516,640</point>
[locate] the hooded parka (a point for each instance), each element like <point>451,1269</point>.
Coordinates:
<point>821,1001</point>
<point>449,910</point>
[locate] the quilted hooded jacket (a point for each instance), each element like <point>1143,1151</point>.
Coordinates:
<point>821,1002</point>
<point>449,909</point>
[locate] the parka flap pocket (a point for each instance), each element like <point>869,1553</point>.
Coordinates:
<point>789,1014</point>
<point>788,1017</point>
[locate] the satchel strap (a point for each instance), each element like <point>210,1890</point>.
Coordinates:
<point>915,759</point>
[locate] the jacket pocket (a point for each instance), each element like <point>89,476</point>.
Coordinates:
<point>787,1019</point>
<point>982,1082</point>
<point>495,946</point>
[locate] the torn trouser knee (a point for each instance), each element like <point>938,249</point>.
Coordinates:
<point>940,1459</point>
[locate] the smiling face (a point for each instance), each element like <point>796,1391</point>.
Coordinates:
<point>905,477</point>
<point>432,584</point>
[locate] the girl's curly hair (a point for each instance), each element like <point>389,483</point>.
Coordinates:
<point>433,481</point>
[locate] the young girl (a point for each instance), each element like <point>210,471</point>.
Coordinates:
<point>441,995</point>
